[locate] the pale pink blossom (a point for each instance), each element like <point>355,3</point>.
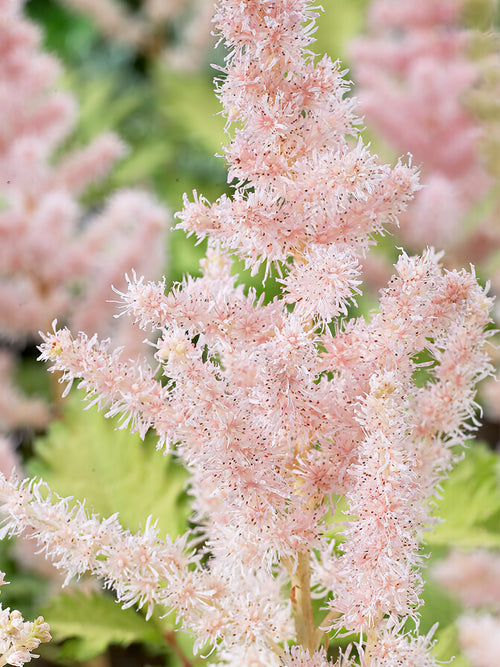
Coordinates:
<point>416,76</point>
<point>473,577</point>
<point>19,638</point>
<point>55,258</point>
<point>479,637</point>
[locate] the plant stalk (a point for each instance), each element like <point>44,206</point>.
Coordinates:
<point>305,630</point>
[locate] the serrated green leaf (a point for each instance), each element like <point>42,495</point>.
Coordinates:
<point>470,503</point>
<point>88,624</point>
<point>84,456</point>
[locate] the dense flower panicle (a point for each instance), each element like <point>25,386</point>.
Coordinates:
<point>244,421</point>
<point>54,259</point>
<point>79,542</point>
<point>145,570</point>
<point>283,410</point>
<point>479,637</point>
<point>473,577</point>
<point>300,187</point>
<point>417,78</point>
<point>130,387</point>
<point>394,475</point>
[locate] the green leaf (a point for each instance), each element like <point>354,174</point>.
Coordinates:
<point>103,105</point>
<point>142,163</point>
<point>88,624</point>
<point>338,26</point>
<point>70,35</point>
<point>189,103</point>
<point>438,605</point>
<point>470,503</point>
<point>86,457</point>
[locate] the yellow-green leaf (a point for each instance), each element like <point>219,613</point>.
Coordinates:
<point>85,456</point>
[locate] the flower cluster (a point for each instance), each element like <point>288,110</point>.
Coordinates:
<point>474,578</point>
<point>55,258</point>
<point>314,440</point>
<point>417,76</point>
<point>18,638</point>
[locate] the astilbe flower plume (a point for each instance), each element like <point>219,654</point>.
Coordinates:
<point>418,74</point>
<point>56,259</point>
<point>282,409</point>
<point>474,578</point>
<point>428,76</point>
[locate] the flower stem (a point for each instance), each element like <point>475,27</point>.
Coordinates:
<point>171,640</point>
<point>305,630</point>
<point>322,630</point>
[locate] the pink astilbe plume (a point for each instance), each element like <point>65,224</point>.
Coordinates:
<point>17,411</point>
<point>479,637</point>
<point>281,409</point>
<point>474,578</point>
<point>416,76</point>
<point>56,260</point>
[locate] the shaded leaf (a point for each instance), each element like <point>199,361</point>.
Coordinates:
<point>88,624</point>
<point>470,503</point>
<point>188,101</point>
<point>84,456</point>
